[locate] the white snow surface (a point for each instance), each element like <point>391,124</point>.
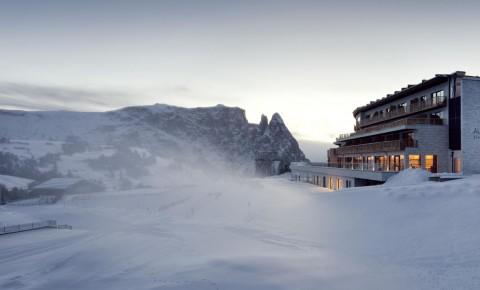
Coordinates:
<point>224,232</point>
<point>12,181</point>
<point>58,183</point>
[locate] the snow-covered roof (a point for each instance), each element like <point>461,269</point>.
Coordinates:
<point>58,183</point>
<point>12,181</point>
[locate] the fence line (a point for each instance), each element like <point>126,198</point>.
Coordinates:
<point>32,226</point>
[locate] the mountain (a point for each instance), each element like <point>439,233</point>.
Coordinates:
<point>201,136</point>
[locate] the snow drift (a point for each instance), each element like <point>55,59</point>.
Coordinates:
<point>409,176</point>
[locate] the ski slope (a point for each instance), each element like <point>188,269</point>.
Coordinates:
<point>231,233</point>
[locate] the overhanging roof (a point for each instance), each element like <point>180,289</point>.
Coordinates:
<point>410,89</point>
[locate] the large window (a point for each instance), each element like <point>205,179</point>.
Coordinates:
<point>409,139</point>
<point>438,97</point>
<point>431,163</point>
<point>348,183</point>
<point>402,107</point>
<point>414,161</point>
<point>370,163</point>
<point>395,162</point>
<point>423,102</point>
<point>380,163</point>
<point>357,161</point>
<point>414,104</point>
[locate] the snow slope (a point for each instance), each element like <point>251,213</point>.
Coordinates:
<point>221,232</point>
<point>12,181</point>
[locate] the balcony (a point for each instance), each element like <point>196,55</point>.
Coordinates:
<point>401,122</point>
<point>411,109</point>
<point>317,169</point>
<point>384,146</point>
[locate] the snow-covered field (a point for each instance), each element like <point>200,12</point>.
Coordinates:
<point>11,182</point>
<point>229,233</point>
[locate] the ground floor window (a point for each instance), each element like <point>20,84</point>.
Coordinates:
<point>348,183</point>
<point>395,162</point>
<point>339,183</point>
<point>330,183</point>
<point>370,164</point>
<point>380,163</point>
<point>431,163</point>
<point>324,183</point>
<point>414,161</point>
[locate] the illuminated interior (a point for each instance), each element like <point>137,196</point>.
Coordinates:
<point>414,161</point>
<point>431,163</point>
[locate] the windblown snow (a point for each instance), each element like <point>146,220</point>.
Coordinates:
<point>213,231</point>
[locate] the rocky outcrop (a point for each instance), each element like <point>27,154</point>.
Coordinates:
<point>276,148</point>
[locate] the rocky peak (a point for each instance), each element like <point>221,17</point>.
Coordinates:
<point>276,119</point>
<point>276,147</point>
<point>263,125</point>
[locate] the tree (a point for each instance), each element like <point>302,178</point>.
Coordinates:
<point>3,193</point>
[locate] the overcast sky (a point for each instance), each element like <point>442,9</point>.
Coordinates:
<point>311,61</point>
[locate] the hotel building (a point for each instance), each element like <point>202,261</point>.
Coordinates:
<point>434,125</point>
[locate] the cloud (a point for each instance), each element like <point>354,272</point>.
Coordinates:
<point>37,97</point>
<point>26,96</point>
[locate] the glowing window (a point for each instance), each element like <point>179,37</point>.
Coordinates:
<point>414,161</point>
<point>431,163</point>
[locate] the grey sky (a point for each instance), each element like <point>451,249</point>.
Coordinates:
<point>312,61</point>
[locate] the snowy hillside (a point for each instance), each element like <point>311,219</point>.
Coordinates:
<point>11,182</point>
<point>221,232</point>
<point>70,142</point>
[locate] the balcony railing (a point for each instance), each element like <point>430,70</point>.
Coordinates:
<point>411,109</point>
<point>377,167</point>
<point>401,122</point>
<point>384,146</point>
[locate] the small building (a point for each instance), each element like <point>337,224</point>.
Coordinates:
<point>11,182</point>
<point>65,185</point>
<point>434,125</point>
<point>13,187</point>
<point>268,163</point>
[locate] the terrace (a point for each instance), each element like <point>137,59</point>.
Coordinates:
<point>393,124</point>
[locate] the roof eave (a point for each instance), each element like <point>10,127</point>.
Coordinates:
<point>439,78</point>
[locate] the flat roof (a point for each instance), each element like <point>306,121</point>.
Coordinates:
<point>410,89</point>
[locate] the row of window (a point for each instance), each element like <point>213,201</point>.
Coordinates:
<point>388,162</point>
<point>333,183</point>
<point>430,164</point>
<point>415,104</point>
<point>338,185</point>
